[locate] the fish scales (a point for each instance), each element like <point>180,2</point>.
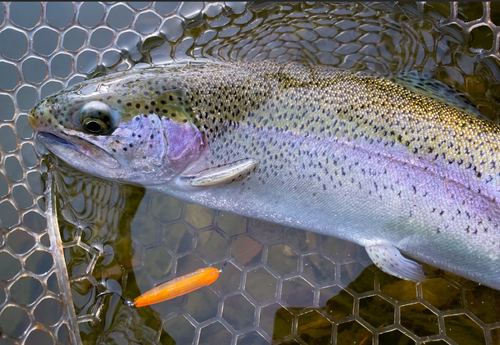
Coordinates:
<point>346,154</point>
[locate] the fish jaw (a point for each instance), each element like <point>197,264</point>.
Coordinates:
<point>79,152</point>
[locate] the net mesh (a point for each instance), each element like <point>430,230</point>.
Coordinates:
<point>60,249</point>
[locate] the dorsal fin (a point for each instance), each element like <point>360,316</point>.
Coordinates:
<point>429,86</point>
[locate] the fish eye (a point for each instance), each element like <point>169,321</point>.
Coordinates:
<point>94,126</point>
<point>97,118</point>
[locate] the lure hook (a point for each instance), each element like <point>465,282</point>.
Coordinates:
<point>223,266</point>
<point>126,302</point>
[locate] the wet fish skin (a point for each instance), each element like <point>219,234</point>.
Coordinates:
<point>354,156</point>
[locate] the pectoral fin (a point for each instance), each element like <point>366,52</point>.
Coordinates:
<point>225,174</point>
<point>389,259</point>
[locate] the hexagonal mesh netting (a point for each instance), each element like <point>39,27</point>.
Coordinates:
<point>287,286</point>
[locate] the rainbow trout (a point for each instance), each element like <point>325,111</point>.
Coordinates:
<point>382,162</point>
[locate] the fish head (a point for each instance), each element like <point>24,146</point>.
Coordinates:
<point>109,127</point>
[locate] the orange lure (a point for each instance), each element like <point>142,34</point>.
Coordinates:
<point>178,286</point>
<point>173,288</point>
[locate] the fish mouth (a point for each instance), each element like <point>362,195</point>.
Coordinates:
<point>76,151</point>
